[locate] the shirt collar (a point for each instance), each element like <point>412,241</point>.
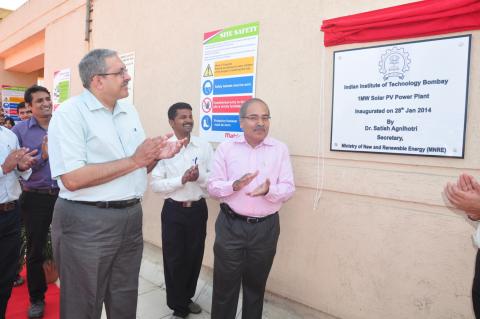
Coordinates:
<point>32,121</point>
<point>193,140</point>
<point>267,141</point>
<point>94,104</point>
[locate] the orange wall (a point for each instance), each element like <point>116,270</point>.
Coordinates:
<point>381,243</point>
<point>17,79</point>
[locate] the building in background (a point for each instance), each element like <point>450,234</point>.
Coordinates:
<point>366,235</point>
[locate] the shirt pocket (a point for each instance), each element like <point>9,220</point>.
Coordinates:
<point>132,139</point>
<point>176,165</point>
<point>103,144</point>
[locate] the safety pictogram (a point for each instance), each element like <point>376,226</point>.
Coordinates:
<point>208,71</point>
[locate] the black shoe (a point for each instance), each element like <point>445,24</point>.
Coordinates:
<point>36,309</point>
<point>18,281</point>
<point>194,308</point>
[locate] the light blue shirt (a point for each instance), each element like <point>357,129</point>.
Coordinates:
<point>9,186</point>
<point>82,132</point>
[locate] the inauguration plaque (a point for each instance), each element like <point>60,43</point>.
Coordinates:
<point>406,98</point>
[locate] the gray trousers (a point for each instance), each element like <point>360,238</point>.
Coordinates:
<point>243,255</point>
<point>98,253</point>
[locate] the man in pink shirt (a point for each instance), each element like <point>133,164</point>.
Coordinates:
<point>252,177</point>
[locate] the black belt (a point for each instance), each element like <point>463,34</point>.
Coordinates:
<point>44,191</point>
<point>7,207</point>
<point>185,204</point>
<point>111,204</point>
<point>251,220</point>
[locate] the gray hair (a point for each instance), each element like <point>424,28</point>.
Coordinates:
<point>247,103</point>
<point>92,64</point>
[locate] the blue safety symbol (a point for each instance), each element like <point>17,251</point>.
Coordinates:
<point>207,87</point>
<point>206,122</point>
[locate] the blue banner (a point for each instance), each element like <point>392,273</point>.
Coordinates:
<point>227,123</point>
<point>238,85</point>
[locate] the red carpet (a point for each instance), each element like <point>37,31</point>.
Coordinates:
<point>19,302</point>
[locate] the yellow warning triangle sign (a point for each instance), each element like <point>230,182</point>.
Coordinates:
<point>208,71</point>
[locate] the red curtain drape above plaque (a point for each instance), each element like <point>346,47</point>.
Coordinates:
<point>422,18</point>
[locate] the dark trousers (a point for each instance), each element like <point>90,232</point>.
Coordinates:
<point>37,211</point>
<point>243,255</point>
<point>476,288</point>
<point>183,243</point>
<point>9,251</point>
<point>23,250</point>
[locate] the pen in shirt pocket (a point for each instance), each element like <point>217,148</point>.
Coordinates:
<point>195,161</point>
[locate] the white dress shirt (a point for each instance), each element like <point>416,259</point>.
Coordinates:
<point>167,174</point>
<point>9,186</point>
<point>82,132</point>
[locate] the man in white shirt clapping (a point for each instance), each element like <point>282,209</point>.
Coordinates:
<point>183,181</point>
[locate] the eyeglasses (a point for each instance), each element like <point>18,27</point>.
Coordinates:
<point>256,118</point>
<point>121,73</point>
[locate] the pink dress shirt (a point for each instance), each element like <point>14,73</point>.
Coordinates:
<point>234,159</point>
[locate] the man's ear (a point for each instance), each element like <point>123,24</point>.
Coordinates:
<point>171,123</point>
<point>96,82</point>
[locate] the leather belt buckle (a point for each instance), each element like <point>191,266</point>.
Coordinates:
<point>53,191</point>
<point>102,204</point>
<point>248,219</point>
<point>253,220</point>
<point>184,204</point>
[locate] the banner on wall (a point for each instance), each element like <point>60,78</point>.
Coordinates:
<point>11,97</point>
<point>129,60</point>
<point>415,19</point>
<point>406,98</point>
<point>227,79</point>
<point>61,87</point>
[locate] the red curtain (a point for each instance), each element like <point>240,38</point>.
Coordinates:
<point>416,19</point>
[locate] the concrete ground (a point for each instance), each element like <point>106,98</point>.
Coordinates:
<point>152,298</point>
